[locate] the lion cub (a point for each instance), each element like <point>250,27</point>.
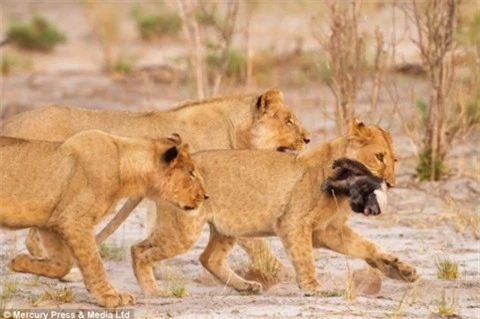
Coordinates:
<point>66,188</point>
<point>367,192</point>
<point>264,193</point>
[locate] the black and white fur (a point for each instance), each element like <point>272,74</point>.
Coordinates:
<point>367,192</point>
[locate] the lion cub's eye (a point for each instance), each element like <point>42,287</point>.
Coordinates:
<point>192,175</point>
<point>289,121</point>
<point>379,156</point>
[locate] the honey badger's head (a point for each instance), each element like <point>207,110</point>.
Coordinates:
<point>351,178</point>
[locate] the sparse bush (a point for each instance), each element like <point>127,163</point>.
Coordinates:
<point>344,62</point>
<point>427,170</point>
<point>236,65</point>
<point>209,28</point>
<point>37,34</point>
<point>153,25</point>
<point>104,19</point>
<point>435,24</point>
<point>468,26</point>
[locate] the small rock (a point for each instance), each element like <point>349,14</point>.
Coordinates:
<point>366,281</point>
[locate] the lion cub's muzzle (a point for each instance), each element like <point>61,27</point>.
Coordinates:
<point>294,147</point>
<point>197,201</point>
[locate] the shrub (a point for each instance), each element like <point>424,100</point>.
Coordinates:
<point>122,66</point>
<point>153,25</point>
<point>37,34</point>
<point>236,63</point>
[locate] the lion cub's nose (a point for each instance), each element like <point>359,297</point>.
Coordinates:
<point>206,196</point>
<point>306,140</point>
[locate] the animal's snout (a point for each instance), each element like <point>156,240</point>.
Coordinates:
<point>306,140</point>
<point>205,196</point>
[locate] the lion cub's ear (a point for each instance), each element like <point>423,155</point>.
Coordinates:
<point>171,154</point>
<point>268,99</point>
<point>358,130</point>
<point>175,138</point>
<point>174,152</point>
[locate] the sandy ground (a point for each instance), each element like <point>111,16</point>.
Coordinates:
<point>426,221</point>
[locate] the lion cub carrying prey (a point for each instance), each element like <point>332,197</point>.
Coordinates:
<point>367,192</point>
<point>264,193</point>
<point>66,188</point>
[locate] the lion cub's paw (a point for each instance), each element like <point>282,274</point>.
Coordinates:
<point>251,287</point>
<point>312,288</point>
<point>403,271</point>
<point>393,268</point>
<point>116,299</point>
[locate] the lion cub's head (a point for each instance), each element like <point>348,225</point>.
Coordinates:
<point>275,127</point>
<point>372,146</point>
<point>176,178</point>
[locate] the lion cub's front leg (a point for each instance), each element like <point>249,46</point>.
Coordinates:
<point>298,245</point>
<point>344,240</point>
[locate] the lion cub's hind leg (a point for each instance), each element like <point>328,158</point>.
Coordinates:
<point>56,261</point>
<point>74,225</point>
<point>34,243</point>
<point>214,258</point>
<point>174,233</point>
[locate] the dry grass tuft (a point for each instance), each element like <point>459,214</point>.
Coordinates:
<point>58,295</point>
<point>464,219</point>
<point>398,311</point>
<point>173,281</point>
<point>9,287</point>
<point>446,268</point>
<point>446,307</point>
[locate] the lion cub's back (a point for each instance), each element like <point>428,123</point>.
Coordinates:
<point>251,184</point>
<point>57,123</point>
<point>31,176</point>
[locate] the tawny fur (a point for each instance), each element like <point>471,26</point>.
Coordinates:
<point>262,193</point>
<point>65,188</point>
<point>232,122</point>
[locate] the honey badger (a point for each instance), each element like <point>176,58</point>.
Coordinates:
<point>367,192</point>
